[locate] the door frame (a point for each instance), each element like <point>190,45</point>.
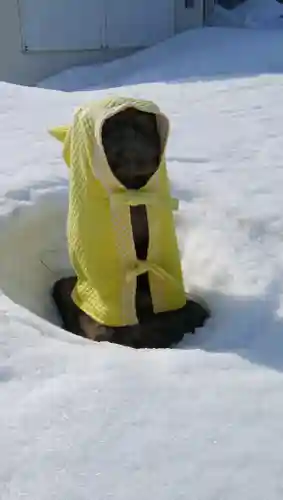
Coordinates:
<point>182,18</point>
<point>206,7</point>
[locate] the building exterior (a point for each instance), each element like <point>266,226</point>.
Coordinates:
<point>41,37</point>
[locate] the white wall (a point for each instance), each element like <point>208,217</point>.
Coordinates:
<point>28,68</point>
<point>72,25</point>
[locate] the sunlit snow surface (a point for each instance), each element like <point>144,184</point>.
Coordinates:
<point>82,421</point>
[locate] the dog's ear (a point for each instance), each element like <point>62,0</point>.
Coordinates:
<point>60,133</point>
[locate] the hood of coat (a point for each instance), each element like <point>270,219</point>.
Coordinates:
<point>88,122</point>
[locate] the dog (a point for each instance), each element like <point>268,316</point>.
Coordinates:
<point>132,145</point>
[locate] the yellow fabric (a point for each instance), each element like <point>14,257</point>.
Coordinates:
<point>100,237</point>
<point>60,133</point>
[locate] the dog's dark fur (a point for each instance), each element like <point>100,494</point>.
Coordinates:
<point>133,149</point>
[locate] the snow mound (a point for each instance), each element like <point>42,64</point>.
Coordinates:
<point>194,56</point>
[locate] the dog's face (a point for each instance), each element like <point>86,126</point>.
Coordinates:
<point>132,146</point>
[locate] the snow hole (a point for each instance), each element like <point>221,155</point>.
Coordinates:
<point>33,248</point>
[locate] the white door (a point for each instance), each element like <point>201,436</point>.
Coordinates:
<point>138,23</point>
<point>62,24</point>
<point>188,14</point>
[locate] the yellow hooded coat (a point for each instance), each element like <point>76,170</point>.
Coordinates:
<point>100,237</point>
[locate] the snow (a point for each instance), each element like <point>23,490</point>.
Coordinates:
<point>80,420</point>
<point>195,56</point>
<point>264,14</point>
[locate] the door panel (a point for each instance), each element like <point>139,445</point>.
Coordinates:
<point>62,24</point>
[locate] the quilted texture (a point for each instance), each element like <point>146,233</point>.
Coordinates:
<point>100,237</point>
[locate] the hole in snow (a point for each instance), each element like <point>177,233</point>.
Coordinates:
<point>33,250</point>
